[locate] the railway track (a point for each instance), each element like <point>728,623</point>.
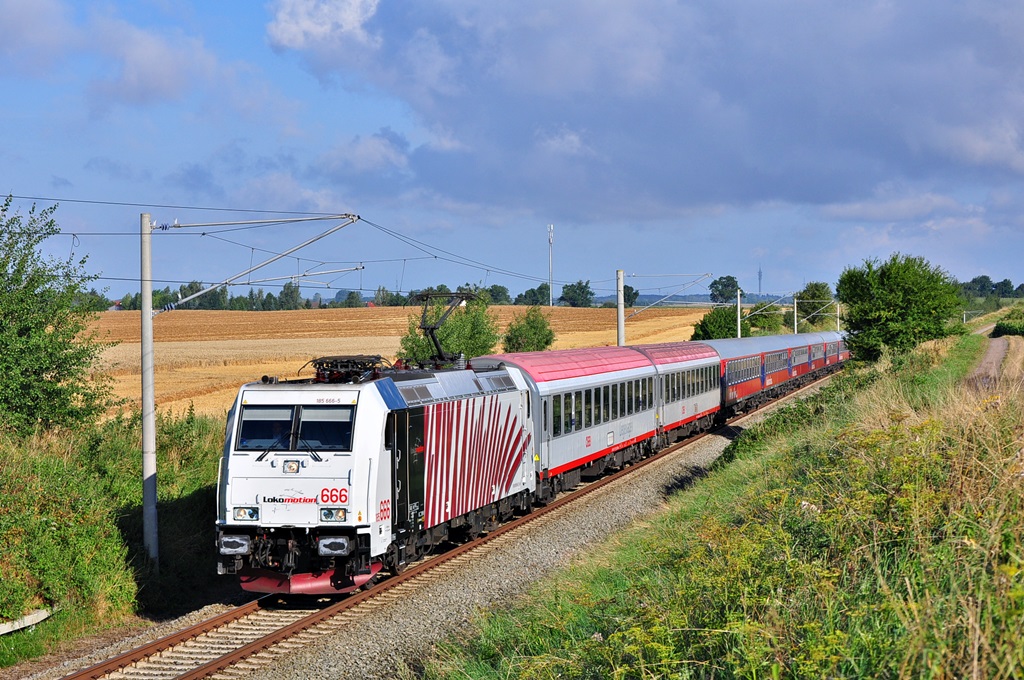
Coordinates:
<point>249,637</point>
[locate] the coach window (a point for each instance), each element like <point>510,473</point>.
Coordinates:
<point>556,415</point>
<point>606,412</point>
<point>588,408</point>
<point>567,413</point>
<point>544,406</point>
<point>577,410</point>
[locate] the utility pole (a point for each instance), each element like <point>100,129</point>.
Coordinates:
<point>620,306</point>
<point>794,315</point>
<point>759,275</point>
<point>146,226</point>
<point>739,327</point>
<point>551,248</point>
<point>149,523</point>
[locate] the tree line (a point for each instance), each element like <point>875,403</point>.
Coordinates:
<point>48,356</point>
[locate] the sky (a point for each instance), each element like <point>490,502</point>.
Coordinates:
<point>677,141</point>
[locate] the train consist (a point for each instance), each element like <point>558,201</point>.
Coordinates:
<point>327,481</point>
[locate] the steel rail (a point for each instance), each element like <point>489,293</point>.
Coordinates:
<point>255,647</point>
<point>139,653</point>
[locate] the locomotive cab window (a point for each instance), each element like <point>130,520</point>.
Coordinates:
<point>295,428</point>
<point>265,427</point>
<point>325,428</point>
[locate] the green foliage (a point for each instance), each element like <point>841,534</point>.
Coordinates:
<point>720,322</point>
<point>766,318</point>
<point>827,547</point>
<point>1005,327</point>
<point>470,330</point>
<point>629,295</point>
<point>291,297</point>
<point>723,289</point>
<point>46,352</point>
<point>71,518</point>
<point>385,298</point>
<point>541,295</point>
<point>897,304</point>
<point>499,295</point>
<point>529,333</point>
<point>814,302</point>
<point>577,294</point>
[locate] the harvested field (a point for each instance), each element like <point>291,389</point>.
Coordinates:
<point>201,357</point>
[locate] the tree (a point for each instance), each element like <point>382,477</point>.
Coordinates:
<point>529,333</point>
<point>577,294</point>
<point>541,295</point>
<point>47,353</point>
<point>93,301</point>
<point>499,295</point>
<point>765,317</point>
<point>353,299</point>
<point>897,304</point>
<point>291,297</point>
<point>385,298</point>
<point>629,295</point>
<point>1004,288</point>
<point>720,322</point>
<point>469,330</point>
<point>813,303</point>
<point>723,289</point>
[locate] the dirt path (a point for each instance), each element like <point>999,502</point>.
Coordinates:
<point>987,375</point>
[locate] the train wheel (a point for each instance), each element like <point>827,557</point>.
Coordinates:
<point>392,560</point>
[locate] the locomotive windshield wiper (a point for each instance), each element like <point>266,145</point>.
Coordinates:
<point>309,448</point>
<point>286,436</point>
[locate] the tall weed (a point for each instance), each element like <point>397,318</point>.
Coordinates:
<point>873,530</point>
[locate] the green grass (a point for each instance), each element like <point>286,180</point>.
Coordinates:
<point>872,530</point>
<point>71,528</point>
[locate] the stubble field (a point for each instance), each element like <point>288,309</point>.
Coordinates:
<point>202,357</point>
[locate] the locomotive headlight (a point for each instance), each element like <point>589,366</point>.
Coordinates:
<point>290,467</point>
<point>332,514</point>
<point>246,514</point>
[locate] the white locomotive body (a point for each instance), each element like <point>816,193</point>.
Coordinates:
<point>323,484</point>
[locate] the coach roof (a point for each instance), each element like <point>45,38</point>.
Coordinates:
<point>561,364</point>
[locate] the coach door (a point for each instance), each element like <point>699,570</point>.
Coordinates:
<point>403,438</point>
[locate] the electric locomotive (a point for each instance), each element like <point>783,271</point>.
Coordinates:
<point>326,481</point>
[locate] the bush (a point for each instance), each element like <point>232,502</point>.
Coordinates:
<point>46,352</point>
<point>720,322</point>
<point>529,333</point>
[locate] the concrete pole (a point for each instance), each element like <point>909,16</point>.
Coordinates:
<point>149,523</point>
<point>551,248</point>
<point>837,316</point>
<point>739,327</point>
<point>620,305</point>
<point>794,315</point>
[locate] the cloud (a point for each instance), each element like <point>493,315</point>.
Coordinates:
<point>145,67</point>
<point>314,24</point>
<point>37,34</point>
<point>384,154</point>
<point>196,180</point>
<point>117,170</point>
<point>659,107</point>
<point>894,208</point>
